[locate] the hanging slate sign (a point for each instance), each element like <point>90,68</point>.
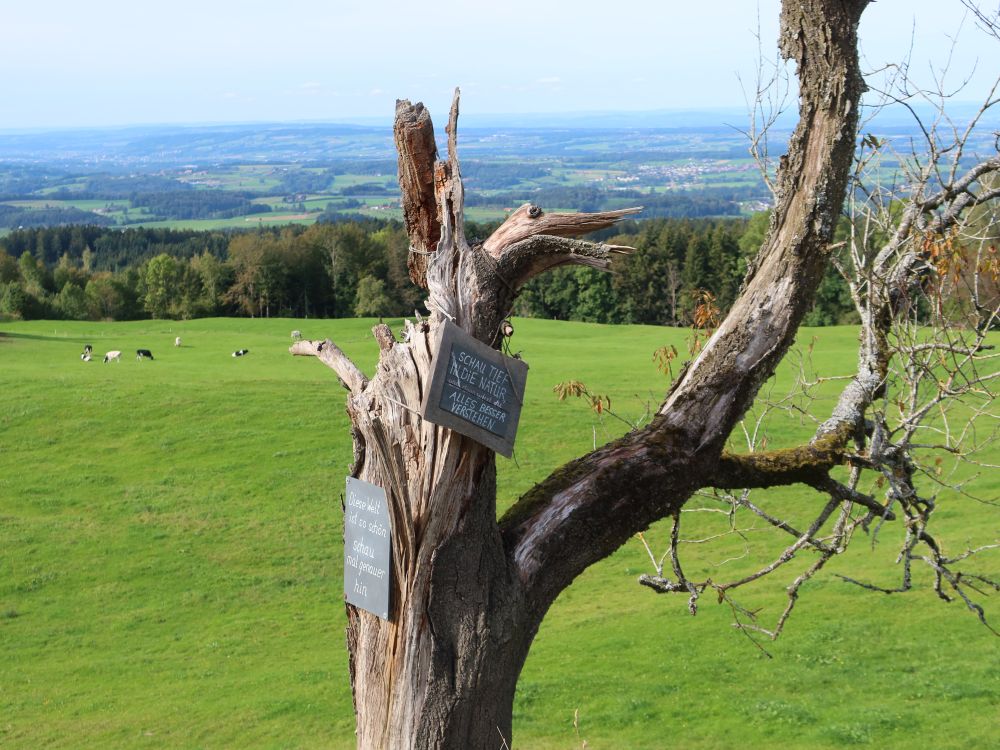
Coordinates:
<point>475,390</point>
<point>367,548</point>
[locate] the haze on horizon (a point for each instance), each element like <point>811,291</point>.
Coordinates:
<point>115,63</point>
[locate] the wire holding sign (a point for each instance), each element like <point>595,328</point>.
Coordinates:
<point>475,390</point>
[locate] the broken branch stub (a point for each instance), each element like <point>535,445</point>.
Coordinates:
<point>414,136</point>
<point>333,357</point>
<point>529,220</point>
<point>530,257</point>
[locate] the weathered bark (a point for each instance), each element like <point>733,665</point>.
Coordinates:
<point>441,672</point>
<point>414,135</point>
<point>468,592</point>
<point>530,221</point>
<point>575,518</point>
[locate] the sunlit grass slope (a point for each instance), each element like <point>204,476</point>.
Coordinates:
<point>171,564</point>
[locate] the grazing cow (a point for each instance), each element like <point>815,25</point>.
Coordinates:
<point>296,335</point>
<point>241,352</point>
<point>115,355</point>
<point>141,354</point>
<point>85,356</point>
<point>177,341</point>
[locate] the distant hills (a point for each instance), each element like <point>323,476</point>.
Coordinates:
<point>686,163</point>
<point>480,135</point>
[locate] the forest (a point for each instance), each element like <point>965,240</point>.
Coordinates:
<point>358,268</point>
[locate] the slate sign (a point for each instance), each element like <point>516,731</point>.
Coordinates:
<point>475,390</point>
<point>367,549</point>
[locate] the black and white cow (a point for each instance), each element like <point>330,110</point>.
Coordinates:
<point>141,354</point>
<point>241,352</point>
<point>88,352</point>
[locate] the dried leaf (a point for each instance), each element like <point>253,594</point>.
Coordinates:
<point>569,388</point>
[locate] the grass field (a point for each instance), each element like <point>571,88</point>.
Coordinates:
<point>237,222</point>
<point>171,564</point>
<point>83,205</point>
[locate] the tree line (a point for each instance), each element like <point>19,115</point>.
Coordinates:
<point>91,273</point>
<point>679,267</point>
<point>358,268</point>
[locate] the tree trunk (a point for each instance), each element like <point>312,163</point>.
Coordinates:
<point>468,592</point>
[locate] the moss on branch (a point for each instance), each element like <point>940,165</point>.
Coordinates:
<point>805,464</point>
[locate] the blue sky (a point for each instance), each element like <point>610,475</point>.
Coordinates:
<point>111,62</point>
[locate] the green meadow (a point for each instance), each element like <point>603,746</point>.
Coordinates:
<point>237,222</point>
<point>171,563</point>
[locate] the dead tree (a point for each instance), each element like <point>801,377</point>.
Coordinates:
<point>468,590</point>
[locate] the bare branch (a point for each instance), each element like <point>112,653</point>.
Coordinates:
<point>778,523</point>
<point>530,220</point>
<point>331,355</point>
<point>765,105</point>
<point>844,493</point>
<point>526,259</point>
<point>987,21</point>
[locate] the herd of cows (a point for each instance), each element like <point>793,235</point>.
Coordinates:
<point>115,355</point>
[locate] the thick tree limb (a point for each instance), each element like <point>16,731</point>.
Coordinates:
<point>331,355</point>
<point>528,258</point>
<point>589,507</point>
<point>592,505</point>
<point>530,220</point>
<point>805,464</point>
<point>811,183</point>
